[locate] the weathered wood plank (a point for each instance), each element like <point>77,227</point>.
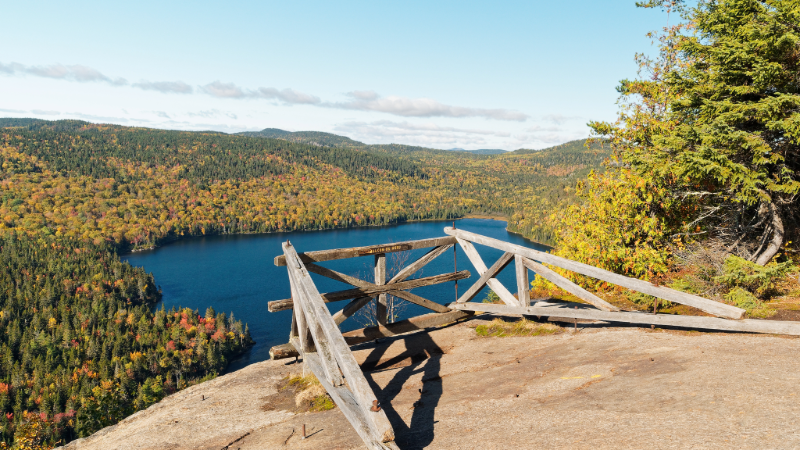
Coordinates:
<point>403,326</point>
<point>381,306</point>
<point>473,256</point>
<point>421,301</point>
<point>317,313</point>
<point>567,285</point>
<point>693,322</point>
<point>343,253</point>
<point>350,309</point>
<point>414,267</point>
<point>283,351</point>
<point>303,334</point>
<point>371,333</point>
<point>487,275</point>
<point>709,306</point>
<point>493,283</point>
<point>373,290</point>
<point>334,275</point>
<point>320,342</point>
<point>348,405</point>
<point>523,284</point>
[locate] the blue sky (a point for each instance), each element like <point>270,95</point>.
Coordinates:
<point>439,74</point>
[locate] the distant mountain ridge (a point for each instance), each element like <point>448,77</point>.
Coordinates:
<point>324,139</point>
<point>318,138</point>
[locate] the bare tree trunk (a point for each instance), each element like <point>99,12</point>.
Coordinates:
<point>777,237</point>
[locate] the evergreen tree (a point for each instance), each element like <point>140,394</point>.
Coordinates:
<point>716,122</point>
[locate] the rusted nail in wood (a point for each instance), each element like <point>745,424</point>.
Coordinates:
<point>375,406</point>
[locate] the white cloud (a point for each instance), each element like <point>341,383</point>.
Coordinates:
<point>75,72</point>
<point>358,100</point>
<point>288,96</point>
<point>420,107</point>
<point>223,90</point>
<point>167,87</point>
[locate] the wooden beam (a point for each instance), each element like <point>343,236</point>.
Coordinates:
<point>487,275</point>
<point>567,285</point>
<point>709,306</point>
<point>320,342</point>
<point>692,322</point>
<point>372,290</point>
<point>523,284</point>
<point>283,351</point>
<point>404,326</point>
<point>344,253</point>
<point>350,309</point>
<point>317,313</point>
<point>414,267</point>
<point>421,301</point>
<point>493,283</point>
<point>381,310</point>
<point>371,333</point>
<point>303,334</point>
<point>349,406</point>
<point>334,275</point>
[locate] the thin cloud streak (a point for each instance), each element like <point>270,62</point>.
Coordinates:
<point>75,72</point>
<point>288,96</point>
<point>420,107</point>
<point>166,87</point>
<point>368,101</point>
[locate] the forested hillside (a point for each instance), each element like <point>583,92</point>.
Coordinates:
<point>82,348</point>
<point>135,186</point>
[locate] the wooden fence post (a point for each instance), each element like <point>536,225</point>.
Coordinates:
<point>523,284</point>
<point>380,280</point>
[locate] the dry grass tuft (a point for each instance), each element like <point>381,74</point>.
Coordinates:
<point>309,392</point>
<point>522,327</point>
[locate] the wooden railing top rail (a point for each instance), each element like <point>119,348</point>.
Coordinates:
<point>353,252</point>
<point>645,287</point>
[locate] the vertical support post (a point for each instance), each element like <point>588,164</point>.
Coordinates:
<point>455,262</point>
<point>380,280</point>
<point>523,284</point>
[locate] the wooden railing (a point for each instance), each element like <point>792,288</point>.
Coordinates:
<point>527,258</point>
<point>317,338</point>
<point>315,335</point>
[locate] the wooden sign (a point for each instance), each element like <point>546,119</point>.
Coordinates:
<point>384,249</point>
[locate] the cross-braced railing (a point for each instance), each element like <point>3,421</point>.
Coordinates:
<point>316,337</point>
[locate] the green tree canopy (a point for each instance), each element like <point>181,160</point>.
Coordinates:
<point>716,120</point>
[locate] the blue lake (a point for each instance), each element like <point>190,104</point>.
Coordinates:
<point>236,274</point>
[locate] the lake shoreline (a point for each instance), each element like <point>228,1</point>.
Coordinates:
<point>171,239</point>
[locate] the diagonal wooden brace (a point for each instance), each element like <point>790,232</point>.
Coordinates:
<point>487,275</point>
